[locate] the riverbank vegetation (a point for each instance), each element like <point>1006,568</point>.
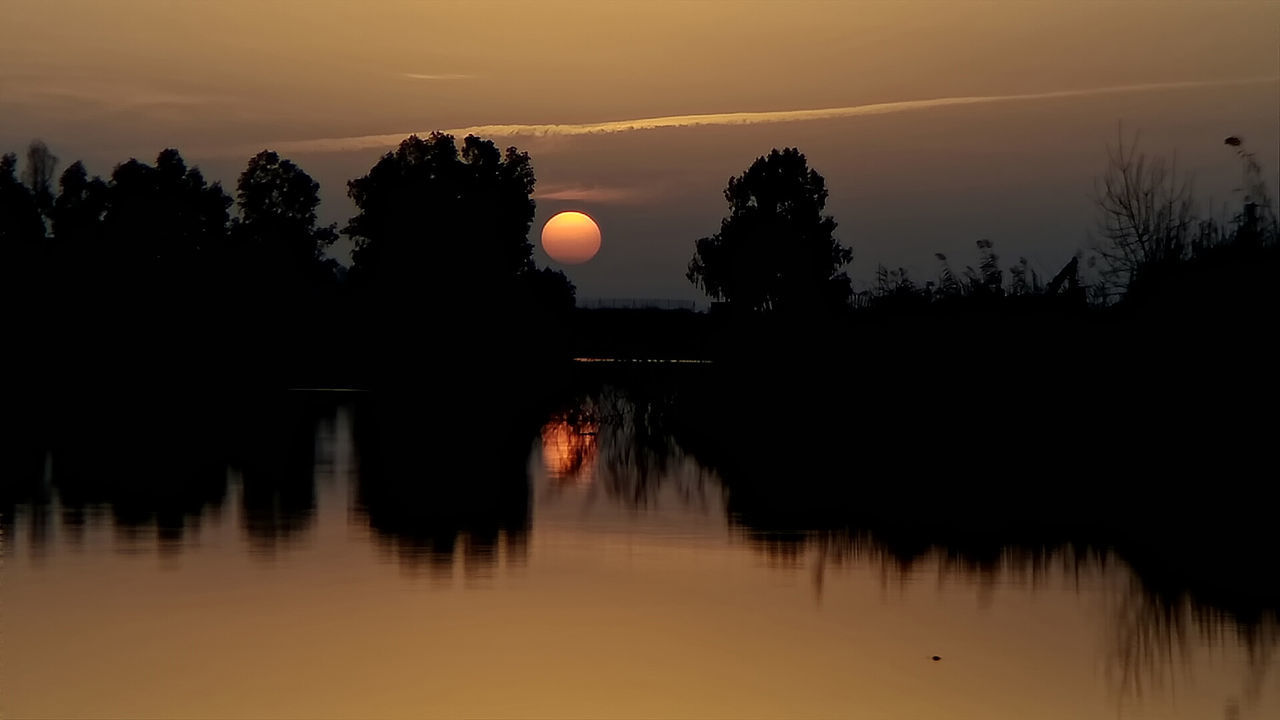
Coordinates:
<point>155,273</point>
<point>985,408</point>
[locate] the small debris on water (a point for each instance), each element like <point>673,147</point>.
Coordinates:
<point>936,658</point>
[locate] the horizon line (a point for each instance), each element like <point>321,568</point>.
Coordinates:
<point>766,117</point>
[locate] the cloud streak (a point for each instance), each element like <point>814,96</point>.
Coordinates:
<point>364,142</point>
<point>440,76</point>
<point>110,94</point>
<point>592,193</point>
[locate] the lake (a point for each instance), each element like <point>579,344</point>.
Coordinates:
<point>342,563</point>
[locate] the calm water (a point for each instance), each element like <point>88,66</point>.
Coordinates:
<point>613,583</point>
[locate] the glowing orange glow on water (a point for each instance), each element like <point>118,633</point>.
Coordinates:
<point>669,608</point>
<point>568,450</point>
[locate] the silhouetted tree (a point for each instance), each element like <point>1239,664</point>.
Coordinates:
<point>22,239</point>
<point>20,223</point>
<point>79,254</point>
<point>1146,215</point>
<point>278,202</point>
<point>277,247</point>
<point>549,290</point>
<point>443,224</point>
<point>78,210</point>
<point>38,174</point>
<point>164,220</point>
<point>75,258</point>
<point>776,250</point>
<point>1157,253</point>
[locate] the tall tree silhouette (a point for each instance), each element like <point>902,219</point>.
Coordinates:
<point>38,174</point>
<point>21,226</point>
<point>776,250</point>
<point>276,236</point>
<point>22,239</point>
<point>442,224</point>
<point>79,256</point>
<point>164,221</point>
<point>159,288</point>
<point>283,290</point>
<point>78,211</point>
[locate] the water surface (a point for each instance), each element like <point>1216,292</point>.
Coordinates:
<point>605,579</point>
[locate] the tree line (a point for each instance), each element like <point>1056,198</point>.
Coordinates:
<point>776,249</point>
<point>431,217</point>
<point>155,257</point>
<point>446,224</point>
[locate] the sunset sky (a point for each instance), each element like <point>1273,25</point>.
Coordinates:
<point>1023,97</point>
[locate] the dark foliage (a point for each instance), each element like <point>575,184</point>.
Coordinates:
<point>1160,256</point>
<point>442,228</point>
<point>985,412</point>
<point>165,224</point>
<point>277,222</point>
<point>152,263</point>
<point>22,230</point>
<point>776,250</point>
<point>983,288</point>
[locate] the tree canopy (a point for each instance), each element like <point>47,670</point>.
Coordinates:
<point>445,223</point>
<point>276,243</point>
<point>20,223</point>
<point>776,250</point>
<point>164,221</point>
<point>278,202</point>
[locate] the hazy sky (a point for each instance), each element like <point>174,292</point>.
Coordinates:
<point>1025,93</point>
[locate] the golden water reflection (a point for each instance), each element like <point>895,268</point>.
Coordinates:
<point>569,449</point>
<point>402,595</point>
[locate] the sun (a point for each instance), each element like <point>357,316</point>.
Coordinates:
<point>571,237</point>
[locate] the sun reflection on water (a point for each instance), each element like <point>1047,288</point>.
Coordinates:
<point>569,450</point>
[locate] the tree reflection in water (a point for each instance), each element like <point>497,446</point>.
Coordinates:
<point>442,484</point>
<point>1183,575</point>
<point>616,442</point>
